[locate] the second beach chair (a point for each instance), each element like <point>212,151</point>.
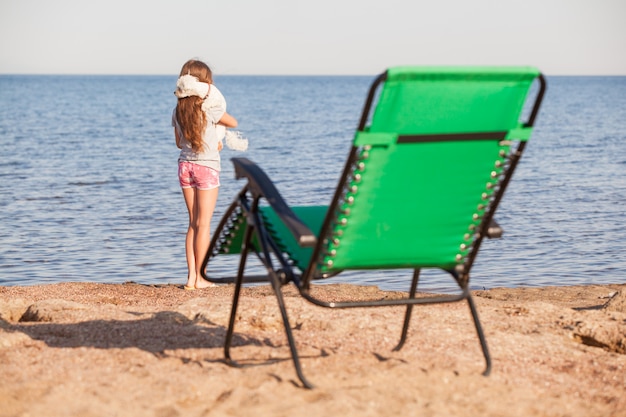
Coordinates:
<point>426,172</point>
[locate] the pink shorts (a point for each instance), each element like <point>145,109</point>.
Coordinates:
<point>192,175</point>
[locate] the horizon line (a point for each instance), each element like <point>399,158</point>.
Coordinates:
<point>70,74</point>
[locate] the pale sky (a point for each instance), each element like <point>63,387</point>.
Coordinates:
<point>560,37</point>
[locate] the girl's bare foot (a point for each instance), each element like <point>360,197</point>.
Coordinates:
<point>191,283</point>
<point>203,283</point>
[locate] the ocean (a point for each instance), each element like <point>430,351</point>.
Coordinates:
<point>89,191</point>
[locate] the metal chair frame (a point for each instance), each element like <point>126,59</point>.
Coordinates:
<point>280,270</point>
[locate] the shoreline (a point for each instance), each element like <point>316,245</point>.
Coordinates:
<point>136,349</point>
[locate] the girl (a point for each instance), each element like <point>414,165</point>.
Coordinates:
<point>199,122</point>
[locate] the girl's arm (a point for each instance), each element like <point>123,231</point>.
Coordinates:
<point>228,121</point>
<point>177,138</point>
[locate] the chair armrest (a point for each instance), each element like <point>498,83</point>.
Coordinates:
<point>494,231</point>
<point>260,185</point>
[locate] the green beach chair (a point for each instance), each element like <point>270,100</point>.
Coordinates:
<point>425,174</point>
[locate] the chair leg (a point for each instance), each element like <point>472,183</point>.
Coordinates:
<point>481,335</point>
<point>276,285</point>
<point>238,284</point>
<point>409,310</point>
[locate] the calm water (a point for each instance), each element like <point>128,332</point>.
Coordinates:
<point>88,187</point>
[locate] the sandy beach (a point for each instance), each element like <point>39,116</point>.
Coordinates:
<point>86,349</point>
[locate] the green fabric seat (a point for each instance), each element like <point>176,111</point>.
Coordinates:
<point>426,172</point>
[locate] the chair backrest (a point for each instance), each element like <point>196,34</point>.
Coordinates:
<point>423,173</point>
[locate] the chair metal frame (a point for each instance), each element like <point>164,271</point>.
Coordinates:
<point>280,270</point>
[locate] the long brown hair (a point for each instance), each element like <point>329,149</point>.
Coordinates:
<point>189,114</point>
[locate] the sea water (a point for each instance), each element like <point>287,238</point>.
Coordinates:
<point>89,191</point>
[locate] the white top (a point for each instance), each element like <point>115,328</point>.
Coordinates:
<point>214,107</point>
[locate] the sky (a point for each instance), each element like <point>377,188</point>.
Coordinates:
<point>303,37</point>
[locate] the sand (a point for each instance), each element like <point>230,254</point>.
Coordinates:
<point>86,349</point>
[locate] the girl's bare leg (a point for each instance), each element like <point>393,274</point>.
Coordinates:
<point>205,206</point>
<point>190,200</point>
<point>200,204</point>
